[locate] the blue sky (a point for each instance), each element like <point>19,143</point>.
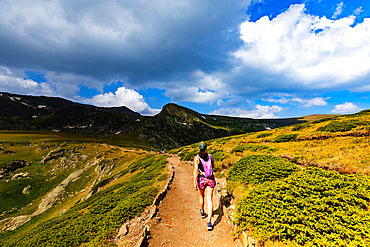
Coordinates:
<point>258,59</point>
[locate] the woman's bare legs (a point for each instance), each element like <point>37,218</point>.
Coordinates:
<point>209,198</point>
<point>201,199</point>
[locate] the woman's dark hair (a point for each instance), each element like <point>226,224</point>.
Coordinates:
<point>203,154</point>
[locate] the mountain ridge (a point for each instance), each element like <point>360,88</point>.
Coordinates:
<point>173,126</point>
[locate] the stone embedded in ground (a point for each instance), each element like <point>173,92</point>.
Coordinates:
<point>21,175</point>
<point>26,190</point>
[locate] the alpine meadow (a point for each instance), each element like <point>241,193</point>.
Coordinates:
<point>216,123</point>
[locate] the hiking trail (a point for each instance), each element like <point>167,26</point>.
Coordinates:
<point>181,223</point>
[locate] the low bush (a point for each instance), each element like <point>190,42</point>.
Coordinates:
<point>187,155</point>
<point>336,126</point>
<point>300,126</point>
<point>309,208</point>
<point>100,184</point>
<point>250,147</point>
<point>256,169</point>
<point>286,138</point>
<point>142,163</point>
<point>324,120</point>
<point>218,155</point>
<point>162,177</point>
<point>262,135</point>
<point>174,151</point>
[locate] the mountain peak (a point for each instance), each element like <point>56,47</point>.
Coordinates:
<point>177,111</point>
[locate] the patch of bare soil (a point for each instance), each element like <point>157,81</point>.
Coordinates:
<point>181,224</point>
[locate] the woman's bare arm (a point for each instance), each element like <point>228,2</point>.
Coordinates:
<point>196,164</point>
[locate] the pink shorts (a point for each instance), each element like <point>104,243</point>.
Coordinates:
<point>203,182</point>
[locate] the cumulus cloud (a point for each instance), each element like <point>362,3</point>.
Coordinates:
<point>338,10</point>
<point>136,41</point>
<point>192,94</point>
<point>304,50</point>
<point>14,82</point>
<point>123,97</point>
<point>347,107</point>
<point>260,112</point>
<point>288,99</point>
<point>358,10</point>
<point>199,88</point>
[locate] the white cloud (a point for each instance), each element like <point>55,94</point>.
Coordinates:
<point>200,88</point>
<point>288,99</point>
<point>306,50</point>
<point>338,10</point>
<point>14,82</point>
<point>192,94</point>
<point>347,107</point>
<point>139,42</point>
<point>358,11</point>
<point>260,112</point>
<point>123,97</point>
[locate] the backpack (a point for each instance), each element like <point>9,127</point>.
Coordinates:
<point>207,166</point>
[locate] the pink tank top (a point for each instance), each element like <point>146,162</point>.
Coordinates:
<point>207,166</point>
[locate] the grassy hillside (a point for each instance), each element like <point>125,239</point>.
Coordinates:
<point>317,195</point>
<point>112,185</point>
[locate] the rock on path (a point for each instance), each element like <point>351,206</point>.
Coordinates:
<point>181,224</point>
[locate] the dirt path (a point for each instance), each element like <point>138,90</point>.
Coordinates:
<point>181,224</point>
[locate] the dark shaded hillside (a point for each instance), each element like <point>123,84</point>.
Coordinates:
<point>48,113</point>
<point>174,126</point>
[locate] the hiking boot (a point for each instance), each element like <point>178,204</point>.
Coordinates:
<point>209,226</point>
<point>202,214</point>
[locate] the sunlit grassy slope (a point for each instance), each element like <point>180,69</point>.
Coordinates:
<point>118,194</point>
<point>340,143</point>
<point>323,203</point>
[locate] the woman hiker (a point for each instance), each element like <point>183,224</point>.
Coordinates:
<point>204,180</point>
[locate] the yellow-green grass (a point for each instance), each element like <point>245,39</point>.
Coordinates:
<point>346,152</point>
<point>340,144</point>
<point>28,136</point>
<point>43,180</point>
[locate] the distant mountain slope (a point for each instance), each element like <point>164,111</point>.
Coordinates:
<point>49,113</point>
<point>174,126</point>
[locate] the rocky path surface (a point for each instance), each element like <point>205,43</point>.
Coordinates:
<point>181,224</point>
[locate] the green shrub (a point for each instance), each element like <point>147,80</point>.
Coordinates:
<point>343,126</point>
<point>359,114</point>
<point>300,126</point>
<point>187,155</point>
<point>262,135</point>
<point>324,120</point>
<point>100,184</point>
<point>248,146</point>
<point>253,148</point>
<point>142,163</point>
<point>162,177</point>
<point>174,151</point>
<point>218,155</point>
<point>286,138</point>
<point>256,169</point>
<point>310,208</point>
